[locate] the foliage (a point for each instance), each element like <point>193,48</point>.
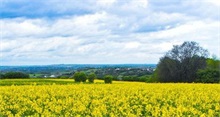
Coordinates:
<point>121,100</point>
<point>154,77</point>
<point>2,76</point>
<point>14,75</point>
<point>136,78</point>
<point>125,73</point>
<point>67,71</point>
<point>63,77</point>
<point>151,79</point>
<point>92,77</point>
<point>108,79</point>
<point>80,77</point>
<point>181,63</point>
<point>213,63</point>
<point>211,74</point>
<point>208,76</point>
<point>129,78</point>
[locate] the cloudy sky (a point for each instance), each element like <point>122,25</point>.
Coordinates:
<point>35,32</point>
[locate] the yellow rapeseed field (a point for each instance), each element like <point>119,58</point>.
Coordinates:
<point>119,99</point>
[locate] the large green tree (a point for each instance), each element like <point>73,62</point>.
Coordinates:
<point>181,63</point>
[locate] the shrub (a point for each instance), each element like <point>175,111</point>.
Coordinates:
<point>208,76</point>
<point>92,77</point>
<point>108,79</point>
<point>80,77</point>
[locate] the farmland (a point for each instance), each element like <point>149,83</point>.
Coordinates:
<point>117,99</point>
<point>9,82</point>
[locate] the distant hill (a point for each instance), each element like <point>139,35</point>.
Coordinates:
<point>69,67</point>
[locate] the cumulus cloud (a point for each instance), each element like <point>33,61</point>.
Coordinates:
<point>104,31</point>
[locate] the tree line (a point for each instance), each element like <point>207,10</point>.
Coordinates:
<point>82,77</point>
<point>14,75</point>
<point>187,63</point>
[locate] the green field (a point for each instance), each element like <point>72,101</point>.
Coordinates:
<point>9,82</point>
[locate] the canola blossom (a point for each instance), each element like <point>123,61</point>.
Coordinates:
<point>110,100</point>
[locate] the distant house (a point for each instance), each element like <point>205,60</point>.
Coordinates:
<point>52,76</point>
<point>117,69</point>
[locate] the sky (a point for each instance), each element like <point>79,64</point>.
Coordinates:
<point>42,32</point>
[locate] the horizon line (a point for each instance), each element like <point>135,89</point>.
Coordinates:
<point>81,64</point>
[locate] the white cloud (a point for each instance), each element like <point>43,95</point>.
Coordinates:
<point>114,32</point>
<point>214,2</point>
<point>132,45</point>
<point>105,3</point>
<point>21,27</point>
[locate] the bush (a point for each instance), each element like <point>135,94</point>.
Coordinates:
<point>108,79</point>
<point>208,76</point>
<point>63,77</point>
<point>15,75</point>
<point>92,77</point>
<point>80,77</point>
<point>128,78</point>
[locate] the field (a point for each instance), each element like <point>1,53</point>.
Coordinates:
<point>117,99</point>
<point>9,82</point>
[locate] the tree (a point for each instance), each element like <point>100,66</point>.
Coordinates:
<point>15,75</point>
<point>108,79</point>
<point>181,63</point>
<point>92,77</point>
<point>80,77</point>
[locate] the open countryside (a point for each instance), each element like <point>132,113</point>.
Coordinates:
<point>160,91</point>
<point>109,58</point>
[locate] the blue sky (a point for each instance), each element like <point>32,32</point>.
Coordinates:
<point>103,31</point>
